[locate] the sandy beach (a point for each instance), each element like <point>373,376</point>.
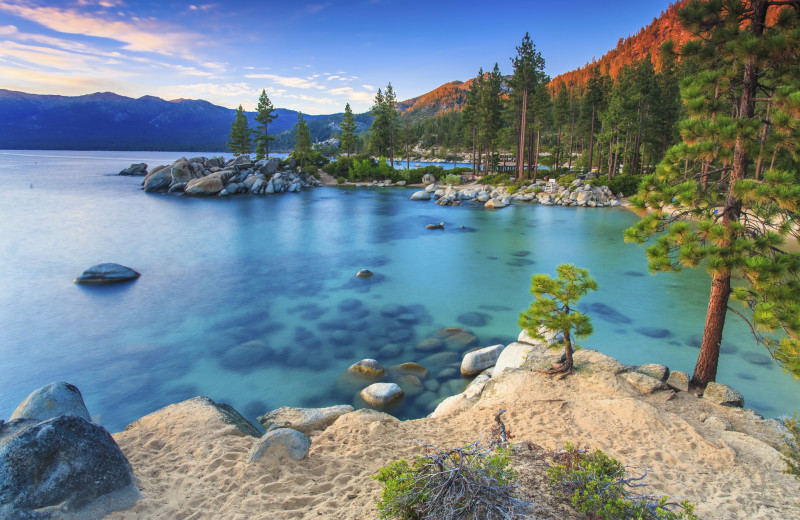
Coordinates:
<point>191,464</point>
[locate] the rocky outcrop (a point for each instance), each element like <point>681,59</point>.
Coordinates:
<point>52,401</point>
<point>303,420</point>
<point>723,394</point>
<point>107,273</point>
<point>420,195</point>
<point>580,193</point>
<point>202,176</point>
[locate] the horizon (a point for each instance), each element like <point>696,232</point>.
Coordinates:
<point>319,56</point>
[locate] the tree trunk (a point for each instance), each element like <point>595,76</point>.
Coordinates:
<point>266,143</point>
<point>705,370</point>
<point>530,156</point>
<point>567,365</point>
<point>571,138</point>
<point>521,149</point>
<point>536,160</point>
<point>763,141</point>
<point>558,149</point>
<point>591,143</point>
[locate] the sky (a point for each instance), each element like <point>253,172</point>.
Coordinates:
<point>314,56</point>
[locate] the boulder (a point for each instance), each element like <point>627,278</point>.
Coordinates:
<point>678,380</point>
<point>513,356</point>
<point>107,273</point>
<point>593,361</point>
<point>159,179</point>
<point>182,172</point>
<point>367,367</point>
<point>281,441</point>
<point>723,394</point>
<point>401,183</point>
<point>428,179</point>
<point>209,185</point>
<point>364,273</point>
<point>660,372</point>
<point>420,195</point>
<point>429,345</point>
<point>496,203</point>
<point>199,412</point>
<point>414,369</point>
<point>64,467</point>
<point>476,361</point>
<point>51,401</point>
<point>431,188</point>
<point>135,169</point>
<point>644,383</point>
<point>269,167</point>
<point>380,395</point>
<point>440,225</point>
<point>303,420</point>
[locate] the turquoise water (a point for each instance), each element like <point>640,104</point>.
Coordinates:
<point>253,300</point>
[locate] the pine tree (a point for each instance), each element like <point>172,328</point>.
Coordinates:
<point>560,116</point>
<point>348,130</point>
<point>392,119</point>
<point>302,146</point>
<point>528,74</point>
<point>264,115</point>
<point>553,309</point>
<point>379,131</point>
<point>239,138</point>
<point>742,222</point>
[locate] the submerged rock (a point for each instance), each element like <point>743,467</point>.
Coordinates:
<point>107,273</point>
<point>52,401</point>
<point>135,169</point>
<point>440,225</point>
<point>368,368</point>
<point>364,273</point>
<point>62,465</point>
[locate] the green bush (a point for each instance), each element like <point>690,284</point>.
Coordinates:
<point>475,481</point>
<point>599,488</point>
<point>497,179</point>
<point>566,180</point>
<point>627,184</point>
<point>791,450</point>
<point>340,180</point>
<point>512,189</point>
<point>451,179</point>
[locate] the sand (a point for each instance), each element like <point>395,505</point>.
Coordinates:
<point>191,464</point>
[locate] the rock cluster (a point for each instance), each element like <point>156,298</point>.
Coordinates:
<point>203,176</point>
<point>580,193</point>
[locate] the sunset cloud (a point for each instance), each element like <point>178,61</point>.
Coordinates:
<point>288,81</point>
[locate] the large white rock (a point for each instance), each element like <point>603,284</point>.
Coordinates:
<point>513,356</point>
<point>380,395</point>
<point>420,195</point>
<point>479,360</point>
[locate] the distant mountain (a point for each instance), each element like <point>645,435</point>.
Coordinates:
<point>450,96</point>
<point>107,121</point>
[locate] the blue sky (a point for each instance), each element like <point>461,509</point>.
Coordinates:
<point>312,56</point>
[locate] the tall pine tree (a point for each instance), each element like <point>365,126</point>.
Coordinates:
<point>742,222</point>
<point>348,127</point>
<point>528,74</point>
<point>302,144</point>
<point>264,115</point>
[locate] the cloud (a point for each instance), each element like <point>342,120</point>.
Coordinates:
<point>8,30</point>
<point>202,7</point>
<point>368,87</point>
<point>315,8</point>
<point>141,36</point>
<point>287,81</point>
<point>350,94</point>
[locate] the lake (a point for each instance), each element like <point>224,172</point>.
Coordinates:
<point>253,300</point>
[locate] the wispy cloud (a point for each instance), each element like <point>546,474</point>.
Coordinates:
<point>288,81</point>
<point>141,36</point>
<point>351,94</point>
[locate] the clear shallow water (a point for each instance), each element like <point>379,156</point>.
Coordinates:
<point>221,274</point>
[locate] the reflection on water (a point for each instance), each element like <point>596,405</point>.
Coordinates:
<point>254,301</point>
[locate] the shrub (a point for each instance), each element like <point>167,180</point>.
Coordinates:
<point>475,481</point>
<point>512,189</point>
<point>627,184</point>
<point>497,179</point>
<point>791,450</point>
<point>452,179</point>
<point>599,488</point>
<point>340,180</point>
<point>566,180</point>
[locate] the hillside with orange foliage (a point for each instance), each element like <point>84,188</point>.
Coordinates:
<point>630,50</point>
<point>450,96</point>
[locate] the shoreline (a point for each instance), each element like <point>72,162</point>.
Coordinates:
<point>190,461</point>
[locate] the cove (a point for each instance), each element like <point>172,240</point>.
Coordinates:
<point>254,301</point>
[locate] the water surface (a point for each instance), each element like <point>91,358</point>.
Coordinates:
<point>253,300</point>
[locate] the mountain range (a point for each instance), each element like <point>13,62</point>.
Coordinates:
<point>107,121</point>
